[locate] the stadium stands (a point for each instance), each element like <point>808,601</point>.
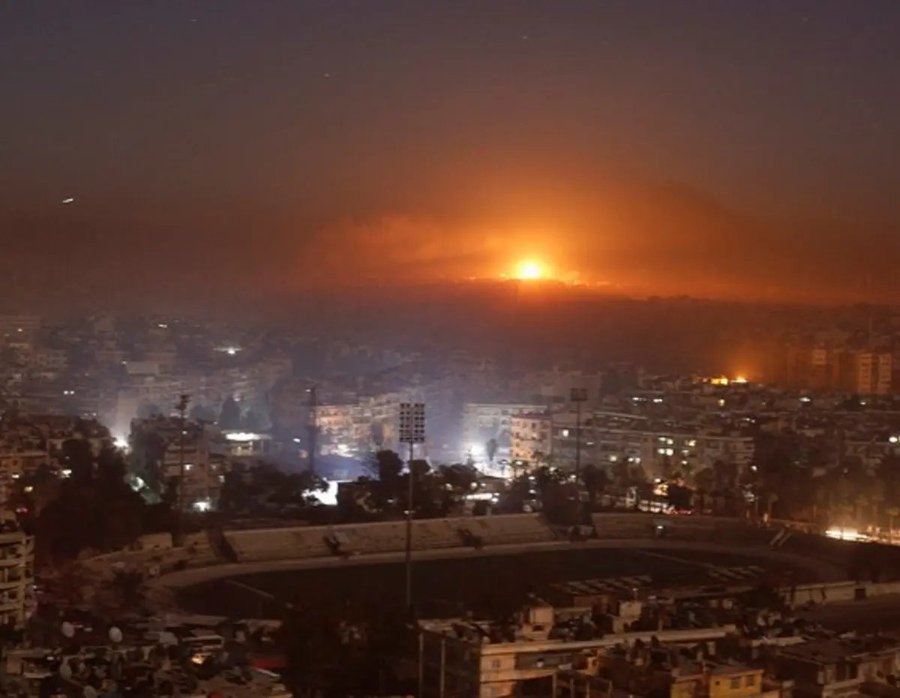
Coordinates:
<point>277,543</point>
<point>385,536</point>
<point>514,528</point>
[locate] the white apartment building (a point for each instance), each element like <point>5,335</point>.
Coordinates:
<point>362,425</point>
<point>659,449</point>
<point>342,428</point>
<point>482,422</point>
<point>16,576</point>
<point>461,657</point>
<point>530,438</point>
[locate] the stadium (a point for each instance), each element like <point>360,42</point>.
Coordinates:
<point>495,562</point>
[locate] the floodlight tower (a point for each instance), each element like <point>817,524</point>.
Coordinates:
<point>412,432</point>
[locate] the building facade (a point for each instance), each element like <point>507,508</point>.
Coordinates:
<point>16,576</point>
<point>483,422</point>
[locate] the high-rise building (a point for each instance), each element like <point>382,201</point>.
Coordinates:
<point>866,372</point>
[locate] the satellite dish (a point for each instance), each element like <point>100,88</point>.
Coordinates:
<point>65,671</point>
<point>115,635</point>
<point>90,692</point>
<point>68,630</point>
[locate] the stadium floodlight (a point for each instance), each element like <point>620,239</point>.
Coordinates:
<point>412,432</point>
<point>412,423</point>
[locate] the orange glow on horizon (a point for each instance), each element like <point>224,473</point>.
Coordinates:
<point>529,270</point>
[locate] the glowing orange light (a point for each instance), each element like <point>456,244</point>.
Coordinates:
<point>529,270</point>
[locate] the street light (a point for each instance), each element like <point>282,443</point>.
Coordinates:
<point>412,432</point>
<point>578,395</point>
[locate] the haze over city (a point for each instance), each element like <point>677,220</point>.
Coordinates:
<point>499,348</point>
<point>218,150</point>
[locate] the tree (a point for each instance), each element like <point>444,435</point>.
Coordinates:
<point>559,498</point>
<point>97,510</point>
<point>450,484</point>
<point>31,493</point>
<point>622,473</point>
<point>387,467</point>
<point>459,477</point>
<point>726,474</point>
<point>490,448</point>
<point>234,495</point>
<point>427,497</point>
<point>202,413</point>
<point>78,458</point>
<point>680,497</point>
<point>148,409</point>
<point>595,481</point>
<point>539,458</point>
<point>705,481</point>
<point>252,421</point>
<point>230,414</point>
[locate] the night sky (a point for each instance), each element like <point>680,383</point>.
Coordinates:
<point>739,149</point>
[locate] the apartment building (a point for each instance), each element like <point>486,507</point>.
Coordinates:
<point>863,371</point>
<point>866,372</point>
<point>531,440</point>
<point>362,424</point>
<point>16,576</point>
<point>468,658</point>
<point>660,447</point>
<point>838,666</point>
<point>482,422</point>
<point>161,447</point>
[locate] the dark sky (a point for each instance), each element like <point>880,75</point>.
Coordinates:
<point>659,146</point>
